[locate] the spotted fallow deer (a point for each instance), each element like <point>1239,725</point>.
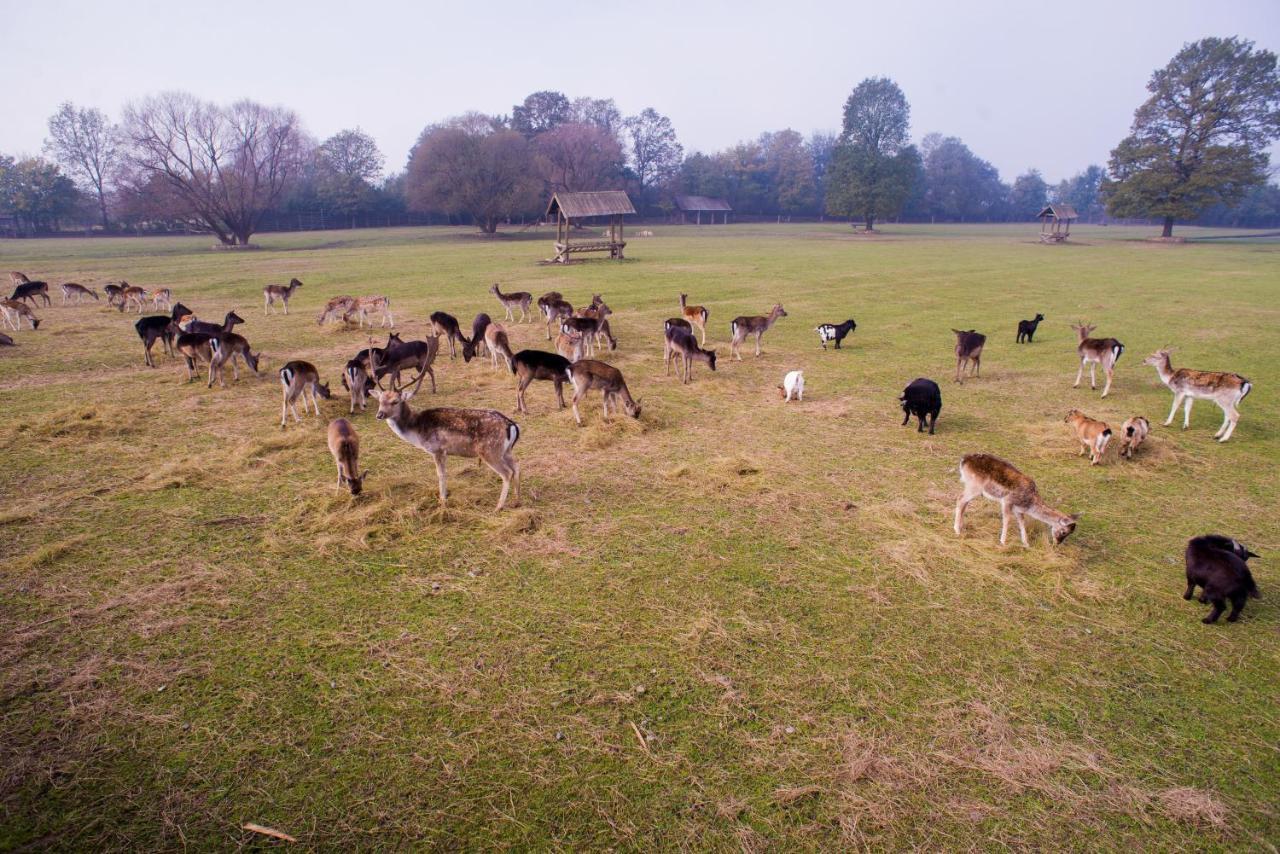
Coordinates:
<point>366,306</point>
<point>696,315</point>
<point>344,445</point>
<point>554,308</point>
<point>512,301</point>
<point>272,294</point>
<point>1223,388</point>
<point>1094,352</point>
<point>757,325</point>
<point>998,480</point>
<point>75,292</point>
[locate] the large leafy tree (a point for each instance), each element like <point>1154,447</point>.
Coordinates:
<point>1082,191</point>
<point>36,192</point>
<point>1028,196</point>
<point>347,165</point>
<point>1201,137</point>
<point>655,152</point>
<point>87,146</point>
<point>541,112</point>
<point>959,184</point>
<point>790,167</point>
<point>874,161</point>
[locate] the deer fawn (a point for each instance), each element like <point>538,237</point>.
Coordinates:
<point>132,296</point>
<point>1223,388</point>
<point>1094,352</point>
<point>969,346</point>
<point>695,315</point>
<point>741,327</point>
<point>1134,433</point>
<point>162,299</point>
<point>512,301</point>
<point>369,305</point>
<point>297,378</point>
<point>272,294</point>
<point>997,480</point>
<point>71,289</point>
<point>1093,435</point>
<point>344,444</point>
<point>589,374</point>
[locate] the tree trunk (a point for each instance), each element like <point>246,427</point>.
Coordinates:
<point>102,204</point>
<point>243,235</point>
<point>1168,227</point>
<point>871,221</point>
<point>488,224</point>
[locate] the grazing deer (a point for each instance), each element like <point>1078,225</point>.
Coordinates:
<point>6,341</point>
<point>344,444</point>
<point>272,294</point>
<point>696,315</point>
<point>399,355</point>
<point>1094,352</point>
<point>228,347</point>
<point>114,290</point>
<point>530,365</point>
<point>478,327</point>
<point>554,308</point>
<point>16,278</point>
<point>512,301</point>
<point>132,296</point>
<point>969,346</point>
<point>834,332</point>
<point>15,312</point>
<point>162,299</point>
<point>447,325</point>
<point>483,433</point>
<point>195,347</point>
<point>297,378</point>
<point>755,325</point>
<point>499,347</point>
<point>357,382</point>
<point>1223,388</point>
<point>676,323</point>
<point>589,374</point>
<point>71,289</point>
<point>599,312</point>
<point>229,322</point>
<point>1027,328</point>
<point>153,328</point>
<point>682,347</point>
<point>30,290</point>
<point>1092,434</point>
<point>792,386</point>
<point>1220,566</point>
<point>571,345</point>
<point>998,480</point>
<point>1134,433</point>
<point>369,305</point>
<point>586,328</point>
<point>337,308</point>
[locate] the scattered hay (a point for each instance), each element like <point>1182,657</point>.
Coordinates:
<point>80,423</point>
<point>1194,806</point>
<point>48,554</point>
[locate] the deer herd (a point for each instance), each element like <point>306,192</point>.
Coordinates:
<point>1216,564</point>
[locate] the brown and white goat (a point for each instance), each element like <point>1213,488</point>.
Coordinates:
<point>589,374</point>
<point>1223,388</point>
<point>296,379</point>
<point>695,315</point>
<point>79,292</point>
<point>1132,434</point>
<point>512,301</point>
<point>272,294</point>
<point>969,346</point>
<point>998,480</point>
<point>1094,352</point>
<point>344,445</point>
<point>757,325</point>
<point>1092,434</point>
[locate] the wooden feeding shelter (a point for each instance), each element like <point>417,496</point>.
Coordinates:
<point>698,205</point>
<point>1055,223</point>
<point>571,208</point>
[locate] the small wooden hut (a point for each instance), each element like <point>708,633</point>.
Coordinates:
<point>571,208</point>
<point>698,205</point>
<point>1055,223</point>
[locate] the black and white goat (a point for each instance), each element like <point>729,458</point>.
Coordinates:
<point>834,332</point>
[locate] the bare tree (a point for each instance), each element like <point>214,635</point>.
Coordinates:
<point>87,145</point>
<point>227,165</point>
<point>579,157</point>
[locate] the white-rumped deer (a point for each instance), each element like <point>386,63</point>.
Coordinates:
<point>695,315</point>
<point>358,383</point>
<point>15,312</point>
<point>195,348</point>
<point>757,325</point>
<point>998,480</point>
<point>272,294</point>
<point>344,445</point>
<point>296,379</point>
<point>969,344</point>
<point>512,301</point>
<point>79,292</point>
<point>589,374</point>
<point>1094,352</point>
<point>162,299</point>
<point>498,345</point>
<point>132,296</point>
<point>1223,388</point>
<point>230,347</point>
<point>554,308</point>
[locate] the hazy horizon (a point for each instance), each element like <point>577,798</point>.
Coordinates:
<point>1026,86</point>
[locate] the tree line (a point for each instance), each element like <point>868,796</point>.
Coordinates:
<point>1196,152</point>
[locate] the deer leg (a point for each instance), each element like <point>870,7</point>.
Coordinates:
<point>962,503</point>
<point>284,407</point>
<point>977,366</point>
<point>959,363</point>
<point>1177,400</point>
<point>1004,521</point>
<point>1186,412</point>
<point>702,327</point>
<point>523,384</point>
<point>505,469</point>
<point>577,395</point>
<point>1022,526</point>
<point>560,392</point>
<point>1233,417</point>
<point>758,334</point>
<point>1079,374</point>
<point>1093,376</point>
<point>439,457</point>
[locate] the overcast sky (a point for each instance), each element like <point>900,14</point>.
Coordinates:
<point>1049,84</point>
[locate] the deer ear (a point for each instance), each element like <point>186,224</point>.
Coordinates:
<point>407,395</point>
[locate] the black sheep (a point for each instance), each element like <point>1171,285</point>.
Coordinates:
<point>1027,328</point>
<point>921,398</point>
<point>1220,566</point>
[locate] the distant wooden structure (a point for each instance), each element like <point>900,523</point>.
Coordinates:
<point>698,205</point>
<point>1055,222</point>
<point>570,207</point>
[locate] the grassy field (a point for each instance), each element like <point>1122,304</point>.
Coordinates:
<point>733,624</point>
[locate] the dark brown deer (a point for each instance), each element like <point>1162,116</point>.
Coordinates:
<point>79,292</point>
<point>153,328</point>
<point>229,322</point>
<point>589,374</point>
<point>272,294</point>
<point>401,355</point>
<point>30,290</point>
<point>195,348</point>
<point>447,325</point>
<point>530,365</point>
<point>683,348</point>
<point>554,308</point>
<point>230,347</point>
<point>969,346</point>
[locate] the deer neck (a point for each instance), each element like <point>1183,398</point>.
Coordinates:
<point>1043,512</point>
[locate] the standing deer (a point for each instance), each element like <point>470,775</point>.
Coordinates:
<point>153,328</point>
<point>755,325</point>
<point>228,347</point>
<point>399,355</point>
<point>696,315</point>
<point>1223,388</point>
<point>113,290</point>
<point>1094,352</point>
<point>344,444</point>
<point>71,289</point>
<point>478,327</point>
<point>998,480</point>
<point>357,382</point>
<point>29,290</point>
<point>969,346</point>
<point>161,299</point>
<point>297,378</point>
<point>228,323</point>
<point>337,308</point>
<point>272,294</point>
<point>195,347</point>
<point>499,347</point>
<point>512,301</point>
<point>683,348</point>
<point>447,325</point>
<point>589,374</point>
<point>368,305</point>
<point>554,308</point>
<point>530,365</point>
<point>132,296</point>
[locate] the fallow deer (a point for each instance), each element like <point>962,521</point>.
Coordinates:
<point>478,328</point>
<point>30,290</point>
<point>132,296</point>
<point>297,378</point>
<point>969,346</point>
<point>571,345</point>
<point>153,328</point>
<point>272,294</point>
<point>600,313</point>
<point>229,347</point>
<point>344,445</point>
<point>695,315</point>
<point>998,480</point>
<point>1223,388</point>
<point>554,308</point>
<point>589,374</point>
<point>113,290</point>
<point>79,292</point>
<point>1094,352</point>
<point>357,382</point>
<point>512,301</point>
<point>366,306</point>
<point>162,299</point>
<point>16,278</point>
<point>1132,434</point>
<point>587,328</point>
<point>229,322</point>
<point>682,347</point>
<point>447,325</point>
<point>1093,435</point>
<point>15,312</point>
<point>400,355</point>
<point>337,308</point>
<point>195,348</point>
<point>498,345</point>
<point>530,365</point>
<point>755,325</point>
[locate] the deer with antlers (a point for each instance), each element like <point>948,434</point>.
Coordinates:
<point>272,294</point>
<point>1223,388</point>
<point>512,301</point>
<point>1094,352</point>
<point>400,355</point>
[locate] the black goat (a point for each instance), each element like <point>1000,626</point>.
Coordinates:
<point>834,332</point>
<point>1027,328</point>
<point>921,398</point>
<point>1220,566</point>
<point>153,328</point>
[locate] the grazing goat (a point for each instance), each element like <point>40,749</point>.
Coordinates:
<point>1027,328</point>
<point>228,323</point>
<point>1094,352</point>
<point>15,312</point>
<point>296,379</point>
<point>447,325</point>
<point>478,327</point>
<point>1092,434</point>
<point>834,332</point>
<point>696,315</point>
<point>1223,388</point>
<point>792,384</point>
<point>681,346</point>
<point>969,346</point>
<point>499,347</point>
<point>512,301</point>
<point>921,398</point>
<point>1134,433</point>
<point>998,480</point>
<point>29,290</point>
<point>344,444</point>
<point>589,374</point>
<point>272,294</point>
<point>153,328</point>
<point>757,325</point>
<point>71,289</point>
<point>1220,566</point>
<point>530,365</point>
